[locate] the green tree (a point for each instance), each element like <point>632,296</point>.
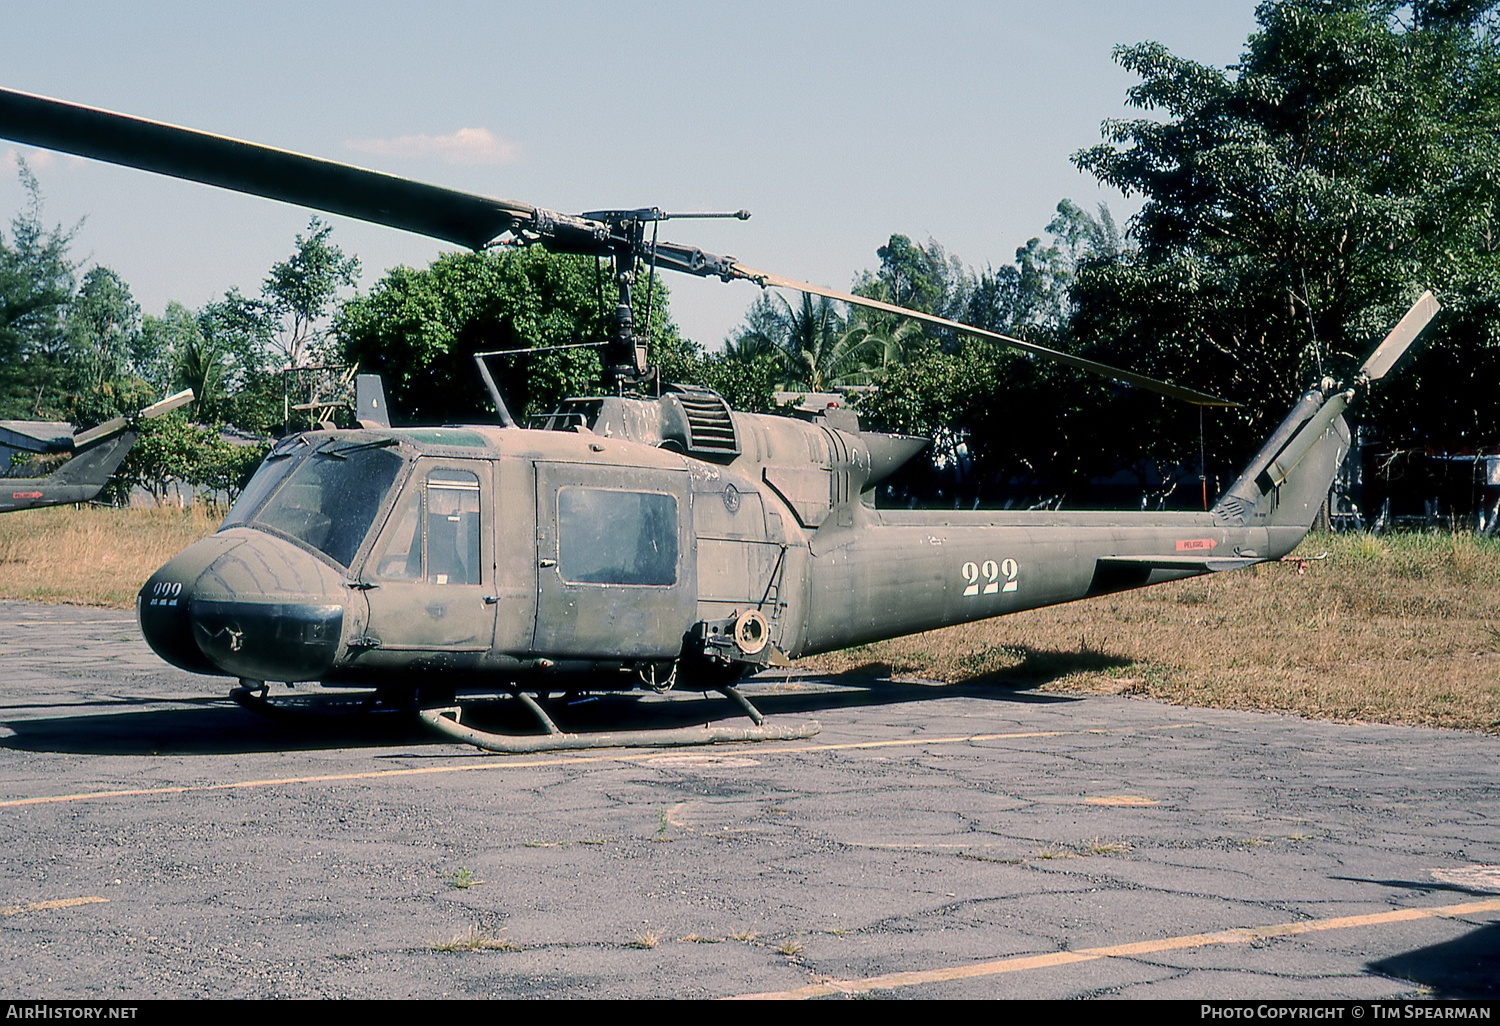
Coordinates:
<point>233,352</point>
<point>420,328</point>
<point>745,374</point>
<point>103,330</point>
<point>37,279</point>
<point>917,277</point>
<point>809,341</point>
<point>1006,428</point>
<point>173,357</point>
<point>1296,205</point>
<point>173,451</point>
<point>300,290</point>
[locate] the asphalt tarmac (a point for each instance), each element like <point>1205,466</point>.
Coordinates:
<point>930,842</point>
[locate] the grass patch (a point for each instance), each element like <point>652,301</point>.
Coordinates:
<point>1394,629</point>
<point>477,939</point>
<point>646,940</point>
<point>93,555</point>
<point>461,880</point>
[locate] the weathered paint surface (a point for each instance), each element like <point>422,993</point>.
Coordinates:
<point>559,559</point>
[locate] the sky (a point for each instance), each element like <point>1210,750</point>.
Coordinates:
<point>836,124</point>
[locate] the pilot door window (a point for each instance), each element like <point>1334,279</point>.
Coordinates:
<point>616,537</point>
<point>433,535</point>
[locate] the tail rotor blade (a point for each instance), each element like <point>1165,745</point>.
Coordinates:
<point>1401,337</point>
<point>168,404</point>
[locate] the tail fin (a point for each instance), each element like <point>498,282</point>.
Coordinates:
<point>1287,482</point>
<point>369,399</point>
<point>78,480</point>
<point>92,467</point>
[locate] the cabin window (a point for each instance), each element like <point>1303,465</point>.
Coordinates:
<point>606,536</point>
<point>433,534</point>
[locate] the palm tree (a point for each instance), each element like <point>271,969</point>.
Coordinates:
<point>815,346</point>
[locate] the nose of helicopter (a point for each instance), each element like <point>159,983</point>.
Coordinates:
<point>246,604</point>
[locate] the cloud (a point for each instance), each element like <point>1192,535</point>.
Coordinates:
<point>39,160</point>
<point>466,146</point>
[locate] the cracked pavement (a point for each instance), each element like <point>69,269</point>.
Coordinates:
<point>983,842</point>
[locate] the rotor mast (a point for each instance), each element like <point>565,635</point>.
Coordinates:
<point>626,351</point>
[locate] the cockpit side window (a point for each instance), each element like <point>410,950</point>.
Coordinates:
<point>433,534</point>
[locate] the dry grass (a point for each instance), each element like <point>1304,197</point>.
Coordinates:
<point>477,939</point>
<point>1399,629</point>
<point>92,556</point>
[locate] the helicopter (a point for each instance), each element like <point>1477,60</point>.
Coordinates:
<point>96,454</point>
<point>638,538</point>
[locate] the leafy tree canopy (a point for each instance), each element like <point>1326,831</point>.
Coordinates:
<point>36,279</point>
<point>300,290</point>
<point>420,329</point>
<point>1297,203</point>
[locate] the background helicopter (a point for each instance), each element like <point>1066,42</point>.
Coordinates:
<point>630,538</point>
<point>97,454</point>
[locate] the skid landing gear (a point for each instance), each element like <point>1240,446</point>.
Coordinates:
<point>446,720</point>
<point>254,696</point>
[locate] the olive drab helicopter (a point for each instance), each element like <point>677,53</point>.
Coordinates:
<point>640,538</point>
<point>93,455</point>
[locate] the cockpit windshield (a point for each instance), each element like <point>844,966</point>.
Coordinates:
<point>325,497</point>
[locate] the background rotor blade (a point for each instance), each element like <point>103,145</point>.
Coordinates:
<point>1401,337</point>
<point>447,214</point>
<point>1129,377</point>
<point>168,404</point>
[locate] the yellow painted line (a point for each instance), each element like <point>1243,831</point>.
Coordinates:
<point>1120,799</point>
<point>42,906</point>
<point>1021,963</point>
<point>528,763</point>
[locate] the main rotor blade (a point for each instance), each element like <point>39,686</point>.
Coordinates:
<point>1401,337</point>
<point>1129,377</point>
<point>458,217</point>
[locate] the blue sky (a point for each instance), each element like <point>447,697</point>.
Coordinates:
<point>837,124</point>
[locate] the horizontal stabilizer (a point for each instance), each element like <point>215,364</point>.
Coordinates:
<point>1187,564</point>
